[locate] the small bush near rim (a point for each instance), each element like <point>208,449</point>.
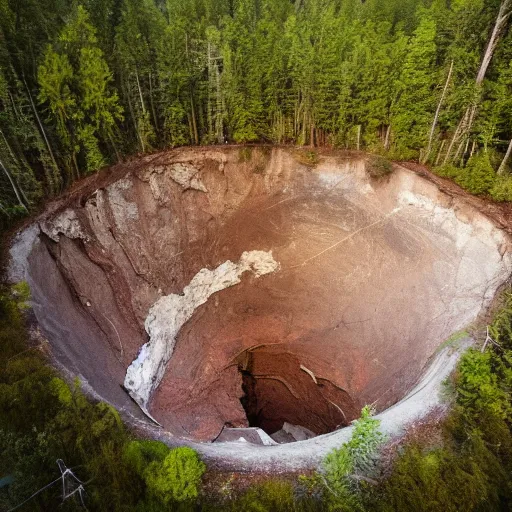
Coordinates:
<point>502,189</point>
<point>244,154</point>
<point>478,177</point>
<point>378,167</point>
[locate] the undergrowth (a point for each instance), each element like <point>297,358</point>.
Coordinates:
<point>378,167</point>
<point>43,419</point>
<point>479,177</point>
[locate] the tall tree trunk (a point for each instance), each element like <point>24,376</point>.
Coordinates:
<point>132,113</point>
<point>15,159</point>
<point>114,145</point>
<point>151,102</point>
<point>436,117</point>
<point>443,142</point>
<point>210,115</point>
<point>11,152</point>
<point>194,123</point>
<point>503,164</point>
<point>499,26</point>
<point>466,123</point>
<point>43,133</point>
<point>386,139</point>
<point>473,147</point>
<point>140,92</point>
<point>13,185</point>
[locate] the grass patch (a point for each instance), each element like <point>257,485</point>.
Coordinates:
<point>453,339</point>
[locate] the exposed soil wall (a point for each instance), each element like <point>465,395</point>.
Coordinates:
<point>372,276</point>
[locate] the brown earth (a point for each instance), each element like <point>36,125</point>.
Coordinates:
<point>368,284</point>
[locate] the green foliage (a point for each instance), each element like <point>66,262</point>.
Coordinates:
<point>411,113</point>
<point>42,419</point>
<point>75,83</point>
<point>55,75</point>
<point>502,189</point>
<point>439,479</point>
<point>378,167</point>
<point>479,389</point>
<point>119,76</point>
<point>21,293</point>
<point>177,477</point>
<point>356,458</point>
<point>244,155</point>
<point>308,158</point>
<point>93,157</point>
<point>271,496</point>
<point>478,177</point>
<point>145,131</point>
<point>175,125</point>
<point>448,171</point>
<point>139,454</point>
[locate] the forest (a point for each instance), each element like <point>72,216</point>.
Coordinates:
<point>83,85</point>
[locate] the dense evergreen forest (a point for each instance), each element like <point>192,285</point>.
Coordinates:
<point>84,85</point>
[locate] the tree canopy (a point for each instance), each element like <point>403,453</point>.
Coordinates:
<point>84,84</point>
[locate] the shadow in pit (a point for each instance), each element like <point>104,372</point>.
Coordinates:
<point>278,390</point>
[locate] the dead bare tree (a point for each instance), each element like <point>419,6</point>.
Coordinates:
<point>503,164</point>
<point>466,123</point>
<point>13,185</point>
<point>436,117</point>
<point>489,339</point>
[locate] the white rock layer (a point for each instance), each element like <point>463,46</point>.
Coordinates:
<point>66,223</point>
<point>168,315</point>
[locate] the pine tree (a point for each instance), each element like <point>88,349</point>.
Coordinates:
<point>414,107</point>
<point>75,83</point>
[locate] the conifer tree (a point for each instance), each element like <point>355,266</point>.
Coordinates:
<point>75,83</point>
<point>414,107</point>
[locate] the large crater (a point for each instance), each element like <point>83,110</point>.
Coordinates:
<point>245,288</point>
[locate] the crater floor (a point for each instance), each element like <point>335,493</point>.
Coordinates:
<point>368,278</point>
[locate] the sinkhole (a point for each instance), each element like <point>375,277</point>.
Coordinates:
<point>209,289</point>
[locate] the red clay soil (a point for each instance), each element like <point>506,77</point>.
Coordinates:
<point>347,319</point>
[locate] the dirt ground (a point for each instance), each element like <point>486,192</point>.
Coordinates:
<point>371,281</point>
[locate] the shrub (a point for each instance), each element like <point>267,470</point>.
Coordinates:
<point>177,477</point>
<point>478,388</point>
<point>307,157</point>
<point>358,457</point>
<point>378,167</point>
<point>244,154</point>
<point>271,496</point>
<point>138,454</point>
<point>502,189</point>
<point>448,171</point>
<point>43,419</point>
<point>434,480</point>
<point>478,177</point>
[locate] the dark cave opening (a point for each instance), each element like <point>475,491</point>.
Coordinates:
<point>278,392</point>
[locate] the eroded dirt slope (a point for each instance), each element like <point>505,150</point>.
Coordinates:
<point>372,276</point>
